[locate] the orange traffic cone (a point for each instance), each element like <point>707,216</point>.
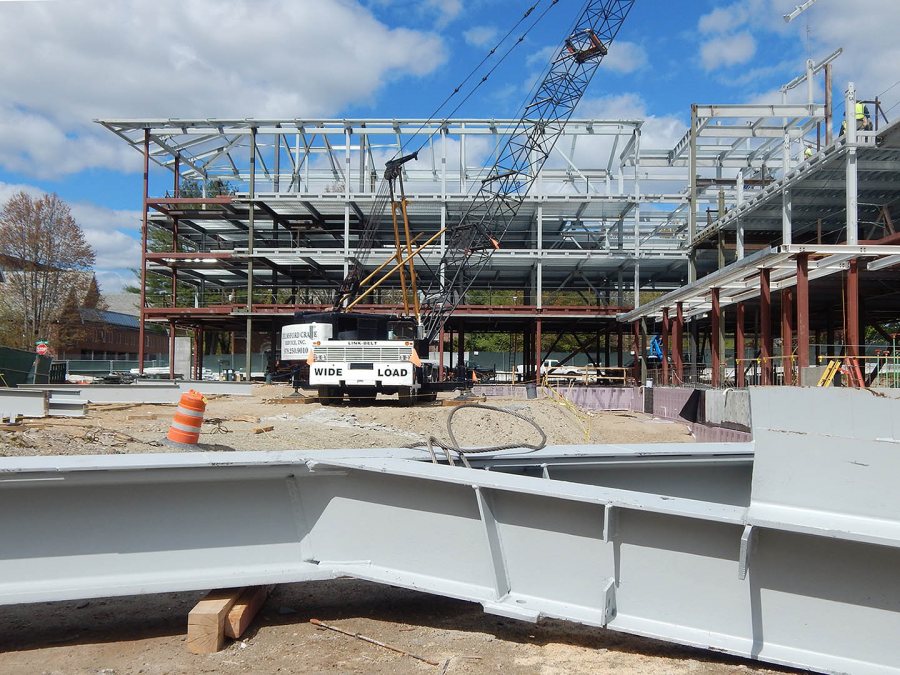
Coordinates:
<point>185,428</point>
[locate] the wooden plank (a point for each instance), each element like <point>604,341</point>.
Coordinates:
<point>245,610</point>
<point>206,622</point>
<point>293,400</point>
<point>263,430</point>
<point>453,401</point>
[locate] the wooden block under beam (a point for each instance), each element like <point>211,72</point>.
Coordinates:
<point>245,610</point>
<point>206,622</point>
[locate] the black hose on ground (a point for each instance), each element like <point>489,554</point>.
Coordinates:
<point>454,447</point>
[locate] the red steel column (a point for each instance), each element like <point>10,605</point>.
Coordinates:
<point>678,349</point>
<point>740,348</point>
<point>803,311</point>
<point>141,333</point>
<point>665,346</point>
<point>765,325</point>
<point>714,339</point>
<point>852,318</point>
<point>787,335</point>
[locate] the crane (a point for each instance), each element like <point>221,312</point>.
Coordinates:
<point>470,240</point>
<point>479,231</point>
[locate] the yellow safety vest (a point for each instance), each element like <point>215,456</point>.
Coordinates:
<point>860,111</point>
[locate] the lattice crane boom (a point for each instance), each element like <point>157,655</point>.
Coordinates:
<point>477,234</point>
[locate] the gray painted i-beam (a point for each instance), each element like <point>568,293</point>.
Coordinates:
<point>785,550</point>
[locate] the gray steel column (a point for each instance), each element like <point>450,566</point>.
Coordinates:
<point>829,122</point>
<point>786,218</point>
<point>462,158</point>
<point>739,244</point>
<point>276,178</point>
<point>692,198</point>
<point>347,139</point>
<point>539,227</point>
<point>637,219</point>
<point>248,356</point>
<point>852,176</point>
<point>786,226</point>
<point>443,241</point>
<point>620,285</point>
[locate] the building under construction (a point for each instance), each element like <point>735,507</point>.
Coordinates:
<point>758,246</point>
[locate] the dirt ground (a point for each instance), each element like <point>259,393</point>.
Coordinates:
<point>146,634</point>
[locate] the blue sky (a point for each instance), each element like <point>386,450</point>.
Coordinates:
<point>66,62</point>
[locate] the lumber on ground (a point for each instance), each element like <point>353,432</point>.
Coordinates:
<point>206,621</point>
<point>245,610</point>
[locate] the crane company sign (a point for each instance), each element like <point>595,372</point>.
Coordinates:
<point>296,339</point>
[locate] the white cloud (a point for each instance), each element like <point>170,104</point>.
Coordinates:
<point>111,233</point>
<point>480,36</point>
<point>657,132</point>
<point>70,62</point>
<point>724,19</point>
<point>727,50</point>
<point>447,10</point>
<point>868,38</point>
<point>625,57</point>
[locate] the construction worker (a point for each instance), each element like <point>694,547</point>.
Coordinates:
<point>807,153</point>
<point>863,117</point>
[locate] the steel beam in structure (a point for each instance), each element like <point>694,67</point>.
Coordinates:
<point>714,339</point>
<point>665,347</point>
<point>802,311</point>
<point>678,350</point>
<point>852,339</point>
<point>740,347</point>
<point>765,325</point>
<point>787,335</point>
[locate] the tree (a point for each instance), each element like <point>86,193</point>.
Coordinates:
<point>93,299</point>
<point>41,240</point>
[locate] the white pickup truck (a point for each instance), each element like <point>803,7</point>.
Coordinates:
<point>552,369</point>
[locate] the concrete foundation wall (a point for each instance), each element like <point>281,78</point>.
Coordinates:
<point>604,398</point>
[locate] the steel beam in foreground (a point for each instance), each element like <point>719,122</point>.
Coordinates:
<point>789,556</point>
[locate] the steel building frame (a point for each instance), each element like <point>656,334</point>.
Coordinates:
<point>609,219</point>
<point>831,211</point>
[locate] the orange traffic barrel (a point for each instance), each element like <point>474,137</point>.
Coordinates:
<point>185,428</point>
